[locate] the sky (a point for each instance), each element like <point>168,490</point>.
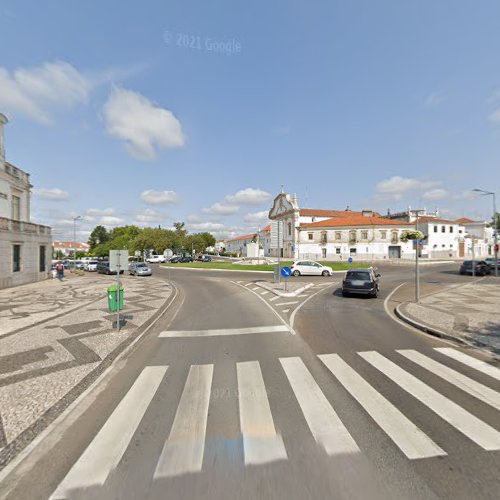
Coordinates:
<point>162,111</point>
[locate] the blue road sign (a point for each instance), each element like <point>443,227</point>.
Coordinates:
<point>286,272</point>
<point>420,242</point>
<point>349,260</point>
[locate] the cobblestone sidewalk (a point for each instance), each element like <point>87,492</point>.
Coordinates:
<point>55,339</point>
<point>470,312</point>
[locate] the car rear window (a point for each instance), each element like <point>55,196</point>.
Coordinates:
<point>358,275</point>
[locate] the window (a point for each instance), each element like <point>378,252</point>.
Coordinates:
<point>16,207</point>
<point>289,229</point>
<point>43,253</point>
<point>323,251</point>
<point>323,237</point>
<point>460,231</point>
<point>443,245</point>
<point>338,235</point>
<point>352,251</point>
<point>443,229</point>
<point>451,229</point>
<point>352,236</point>
<point>309,236</point>
<point>337,251</point>
<point>16,258</point>
<point>383,235</point>
<point>394,237</point>
<point>435,229</point>
<point>364,235</point>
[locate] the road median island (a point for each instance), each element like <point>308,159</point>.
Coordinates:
<point>468,314</point>
<point>56,339</point>
<point>269,268</point>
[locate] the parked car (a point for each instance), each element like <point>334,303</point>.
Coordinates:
<point>204,258</point>
<point>91,265</point>
<point>175,259</point>
<point>303,267</point>
<point>186,258</point>
<point>103,268</point>
<point>361,281</point>
<point>491,262</point>
<point>139,269</point>
<point>156,259</point>
<point>479,267</point>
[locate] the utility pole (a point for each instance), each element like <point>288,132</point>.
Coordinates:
<point>417,269</point>
<point>495,224</point>
<point>78,217</point>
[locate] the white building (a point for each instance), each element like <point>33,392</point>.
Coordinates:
<point>477,238</point>
<point>25,248</point>
<point>247,245</point>
<point>338,234</point>
<point>68,248</point>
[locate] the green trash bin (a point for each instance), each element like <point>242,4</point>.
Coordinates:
<point>112,302</point>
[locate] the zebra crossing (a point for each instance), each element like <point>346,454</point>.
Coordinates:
<point>262,442</point>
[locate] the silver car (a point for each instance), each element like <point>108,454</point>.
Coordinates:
<point>139,269</point>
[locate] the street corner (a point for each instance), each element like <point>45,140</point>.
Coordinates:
<point>44,367</point>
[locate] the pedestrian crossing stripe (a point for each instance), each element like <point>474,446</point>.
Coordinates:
<point>183,450</point>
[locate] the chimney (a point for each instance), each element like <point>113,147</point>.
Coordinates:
<point>3,121</point>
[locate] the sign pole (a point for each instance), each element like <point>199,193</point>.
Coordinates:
<point>279,254</point>
<point>118,292</point>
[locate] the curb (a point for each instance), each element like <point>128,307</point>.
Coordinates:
<point>78,393</point>
<point>435,332</point>
<point>218,270</point>
<point>284,294</point>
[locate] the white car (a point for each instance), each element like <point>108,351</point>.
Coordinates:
<point>156,259</point>
<point>90,265</point>
<point>303,267</point>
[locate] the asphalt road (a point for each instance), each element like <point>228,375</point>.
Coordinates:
<point>223,399</point>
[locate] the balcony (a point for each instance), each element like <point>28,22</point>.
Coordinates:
<point>16,226</point>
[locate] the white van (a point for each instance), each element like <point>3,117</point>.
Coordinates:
<point>156,259</point>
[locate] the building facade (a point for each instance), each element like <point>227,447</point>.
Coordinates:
<point>25,248</point>
<point>68,248</point>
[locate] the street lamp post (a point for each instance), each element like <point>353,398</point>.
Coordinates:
<point>78,217</point>
<point>417,269</point>
<point>495,224</point>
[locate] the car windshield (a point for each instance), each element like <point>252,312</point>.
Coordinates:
<point>358,275</point>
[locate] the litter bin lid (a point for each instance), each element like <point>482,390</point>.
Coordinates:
<point>112,288</point>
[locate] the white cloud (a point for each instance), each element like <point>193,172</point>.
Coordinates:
<point>221,209</point>
<point>100,211</point>
<point>148,216</point>
<point>495,116</point>
<point>398,185</point>
<point>36,91</point>
<point>109,220</point>
<point>249,196</point>
<point>435,194</point>
<point>54,194</point>
<point>144,127</point>
<point>206,226</point>
<point>255,217</point>
<point>465,195</point>
<point>193,218</point>
<point>434,98</point>
<point>152,197</point>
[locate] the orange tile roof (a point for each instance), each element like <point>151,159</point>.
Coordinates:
<point>464,220</point>
<point>434,219</point>
<point>355,219</point>
<point>318,212</point>
<point>240,238</point>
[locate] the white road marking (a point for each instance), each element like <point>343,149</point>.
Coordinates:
<point>405,434</point>
<point>183,451</point>
<point>475,389</point>
<point>256,289</point>
<point>106,450</point>
<point>272,299</point>
<point>303,295</point>
<point>265,292</point>
<point>469,425</point>
<point>224,332</point>
<point>326,427</point>
<point>248,284</point>
<point>261,444</point>
<point>477,364</point>
<point>285,310</point>
<point>287,303</point>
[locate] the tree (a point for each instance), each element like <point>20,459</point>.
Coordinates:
<point>179,229</point>
<point>497,217</point>
<point>98,236</point>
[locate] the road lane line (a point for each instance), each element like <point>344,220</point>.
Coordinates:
<point>475,363</point>
<point>249,284</point>
<point>261,444</point>
<point>265,292</point>
<point>272,299</point>
<point>287,303</point>
<point>184,448</point>
<point>256,289</point>
<point>469,425</point>
<point>224,331</point>
<point>468,385</point>
<point>106,450</point>
<point>405,434</point>
<point>325,425</point>
<point>285,310</point>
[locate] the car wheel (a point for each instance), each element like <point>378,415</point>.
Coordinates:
<point>345,294</point>
<point>325,273</point>
<point>296,272</point>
